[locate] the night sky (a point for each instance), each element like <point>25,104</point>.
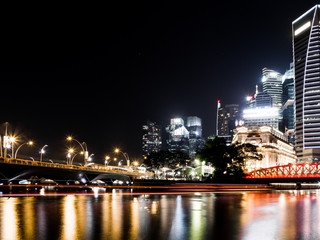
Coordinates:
<point>99,72</point>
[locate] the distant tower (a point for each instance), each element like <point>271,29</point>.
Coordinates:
<point>217,120</point>
<point>287,125</point>
<point>227,117</point>
<point>306,62</point>
<point>194,126</point>
<point>178,136</point>
<point>151,138</point>
<point>272,84</point>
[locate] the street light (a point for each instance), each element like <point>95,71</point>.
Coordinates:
<point>42,152</point>
<point>69,155</point>
<point>126,156</point>
<point>83,147</point>
<point>12,140</point>
<point>29,143</point>
<point>106,161</point>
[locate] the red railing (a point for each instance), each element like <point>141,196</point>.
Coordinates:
<point>299,170</point>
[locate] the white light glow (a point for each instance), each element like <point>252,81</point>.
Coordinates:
<point>302,28</point>
<point>260,112</point>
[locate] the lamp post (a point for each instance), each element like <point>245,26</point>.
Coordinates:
<point>12,140</point>
<point>69,156</point>
<point>126,156</point>
<point>83,147</point>
<point>106,161</point>
<point>42,152</point>
<point>29,143</point>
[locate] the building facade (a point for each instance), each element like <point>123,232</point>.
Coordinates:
<point>185,136</point>
<point>272,84</point>
<point>287,125</point>
<point>226,120</point>
<point>261,116</point>
<point>196,142</point>
<point>151,138</point>
<point>271,143</point>
<point>306,62</point>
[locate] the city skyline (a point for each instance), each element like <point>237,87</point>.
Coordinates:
<point>100,74</point>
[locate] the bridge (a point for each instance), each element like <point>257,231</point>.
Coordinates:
<point>19,169</point>
<point>291,171</point>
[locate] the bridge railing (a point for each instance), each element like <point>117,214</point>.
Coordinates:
<point>95,167</point>
<point>299,170</point>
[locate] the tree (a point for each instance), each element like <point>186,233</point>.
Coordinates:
<point>166,159</point>
<point>228,161</point>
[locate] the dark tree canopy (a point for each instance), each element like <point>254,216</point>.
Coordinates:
<point>228,161</point>
<point>166,159</point>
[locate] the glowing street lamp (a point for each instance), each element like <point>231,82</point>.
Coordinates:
<point>126,156</point>
<point>106,161</point>
<point>30,143</point>
<point>12,140</point>
<point>69,155</point>
<point>83,147</point>
<point>42,151</point>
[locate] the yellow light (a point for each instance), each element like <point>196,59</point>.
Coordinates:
<point>107,157</point>
<point>117,150</point>
<point>135,163</point>
<point>30,143</point>
<point>69,138</point>
<point>12,139</point>
<point>70,150</point>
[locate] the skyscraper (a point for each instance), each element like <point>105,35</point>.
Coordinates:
<point>272,84</point>
<point>196,142</point>
<point>178,136</point>
<point>151,138</point>
<point>186,138</point>
<point>287,125</point>
<point>306,61</point>
<point>227,116</point>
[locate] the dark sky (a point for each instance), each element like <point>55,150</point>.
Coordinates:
<point>99,72</point>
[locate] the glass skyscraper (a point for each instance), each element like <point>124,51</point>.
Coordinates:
<point>306,56</point>
<point>272,84</point>
<point>186,138</point>
<point>287,125</point>
<point>226,119</point>
<point>151,138</point>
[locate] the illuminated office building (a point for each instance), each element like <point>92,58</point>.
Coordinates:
<point>178,136</point>
<point>306,62</point>
<point>287,125</point>
<point>261,116</point>
<point>194,126</point>
<point>226,120</point>
<point>272,84</point>
<point>151,138</point>
<point>185,136</point>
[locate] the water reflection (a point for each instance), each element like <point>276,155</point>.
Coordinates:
<point>269,215</point>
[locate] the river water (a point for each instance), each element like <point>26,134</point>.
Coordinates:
<point>118,215</point>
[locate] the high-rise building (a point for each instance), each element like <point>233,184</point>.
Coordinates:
<point>272,84</point>
<point>194,126</point>
<point>226,120</point>
<point>151,138</point>
<point>186,138</point>
<point>287,125</point>
<point>261,116</point>
<point>306,62</point>
<point>178,136</point>
<point>263,99</point>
